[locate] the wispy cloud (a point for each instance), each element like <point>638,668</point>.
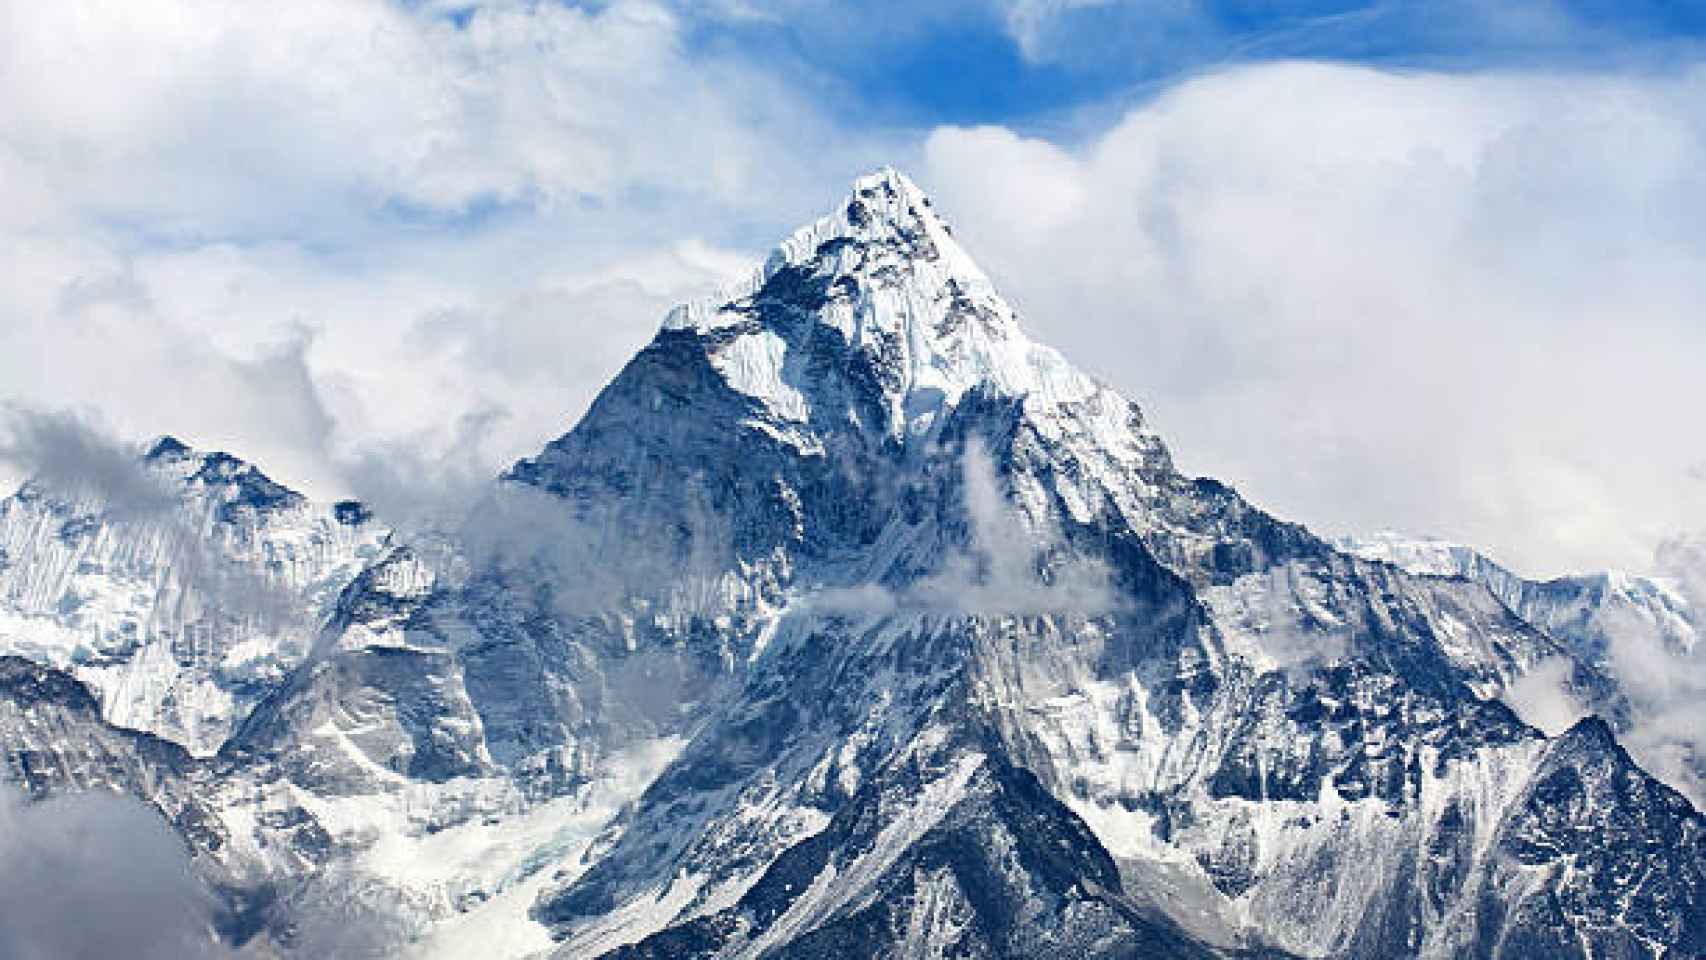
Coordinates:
<point>69,455</point>
<point>1009,566</point>
<point>76,459</point>
<point>1186,36</point>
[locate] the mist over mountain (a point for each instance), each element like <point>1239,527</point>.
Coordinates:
<point>848,621</point>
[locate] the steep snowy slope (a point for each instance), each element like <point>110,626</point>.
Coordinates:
<point>850,621</point>
<point>182,615</point>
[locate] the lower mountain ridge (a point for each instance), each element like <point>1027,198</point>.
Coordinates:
<point>850,622</point>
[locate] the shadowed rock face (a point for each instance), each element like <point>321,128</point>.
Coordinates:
<point>879,630</point>
<point>55,741</point>
<point>990,865</point>
<point>1622,857</point>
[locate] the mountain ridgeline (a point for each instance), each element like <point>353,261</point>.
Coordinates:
<point>849,621</point>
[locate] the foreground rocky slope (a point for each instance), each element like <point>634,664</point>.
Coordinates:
<point>851,621</point>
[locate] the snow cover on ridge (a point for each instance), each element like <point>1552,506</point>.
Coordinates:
<point>180,618</point>
<point>1579,608</point>
<point>1642,631</point>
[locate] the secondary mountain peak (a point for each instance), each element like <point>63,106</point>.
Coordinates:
<point>181,587</point>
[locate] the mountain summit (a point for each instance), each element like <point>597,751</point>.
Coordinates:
<point>884,274</point>
<point>851,622</point>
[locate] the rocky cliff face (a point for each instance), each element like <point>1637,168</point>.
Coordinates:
<point>851,621</point>
<point>1640,631</point>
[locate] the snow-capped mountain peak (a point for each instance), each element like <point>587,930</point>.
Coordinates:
<point>884,271</point>
<point>882,208</point>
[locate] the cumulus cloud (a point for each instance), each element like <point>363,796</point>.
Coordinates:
<point>1655,654</point>
<point>1460,304</point>
<point>510,103</point>
<point>98,875</point>
<point>1457,304</point>
<point>1543,699</point>
<point>110,338</point>
<point>1663,672</point>
<point>290,235</point>
<point>1682,561</point>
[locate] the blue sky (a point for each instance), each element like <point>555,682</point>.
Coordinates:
<point>1430,266</point>
<point>971,62</point>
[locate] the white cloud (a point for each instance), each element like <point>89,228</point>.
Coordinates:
<point>98,875</point>
<point>198,103</point>
<point>294,232</point>
<point>1040,28</point>
<point>1461,305</point>
<point>1664,679</point>
<point>70,455</point>
<point>1542,696</point>
<point>77,459</point>
<point>1682,561</point>
<point>1157,37</point>
<point>1465,305</point>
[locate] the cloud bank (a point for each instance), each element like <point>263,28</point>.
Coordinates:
<point>1465,305</point>
<point>294,234</point>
